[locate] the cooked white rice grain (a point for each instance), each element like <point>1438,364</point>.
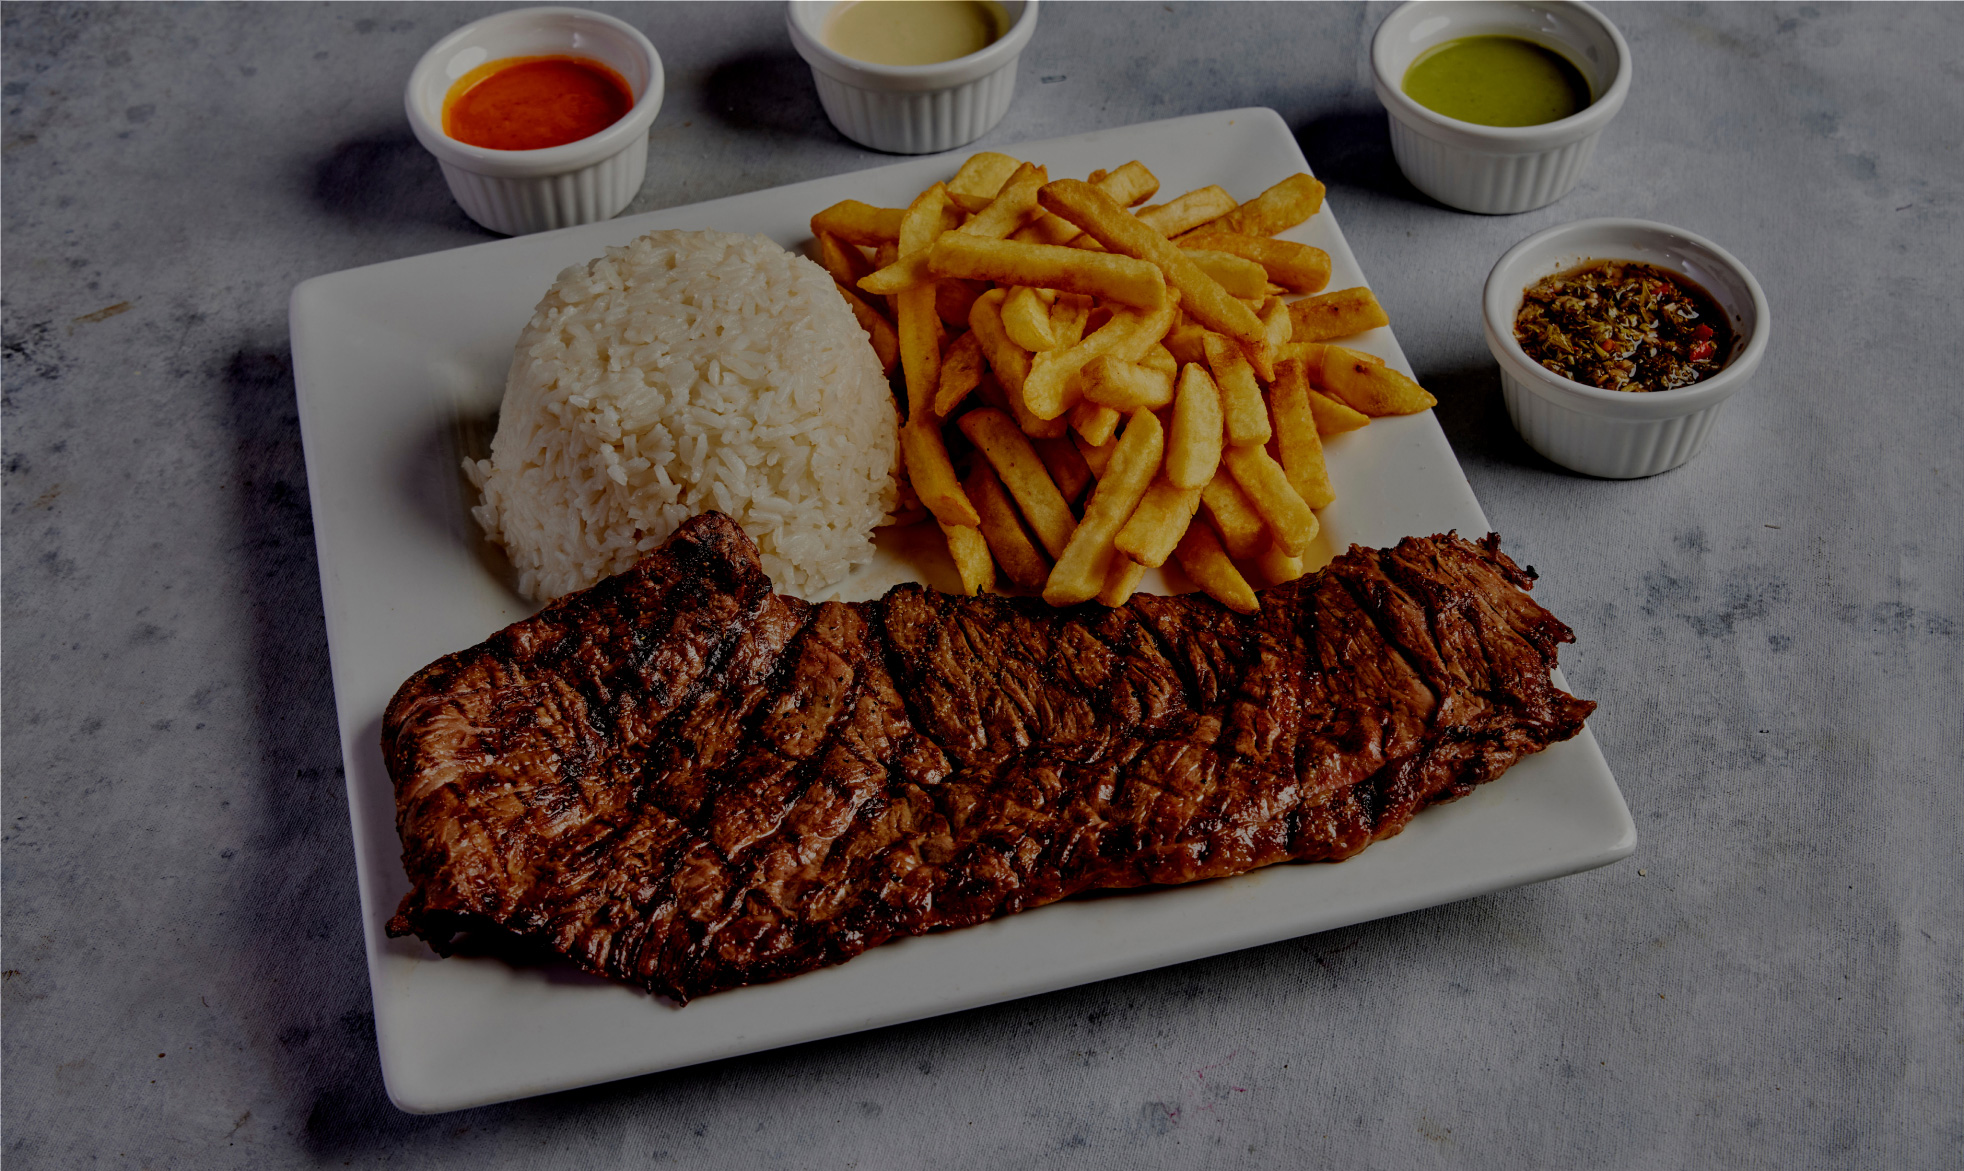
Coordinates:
<point>684,372</point>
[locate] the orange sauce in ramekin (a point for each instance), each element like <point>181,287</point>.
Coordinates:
<point>530,103</point>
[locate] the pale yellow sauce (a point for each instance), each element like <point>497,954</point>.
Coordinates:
<point>915,32</point>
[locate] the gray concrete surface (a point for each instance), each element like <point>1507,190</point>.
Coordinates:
<point>1773,633</point>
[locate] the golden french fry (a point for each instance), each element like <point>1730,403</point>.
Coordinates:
<point>1296,437</point>
<point>1370,387</point>
<point>1022,472</point>
<point>1130,184</point>
<point>1120,581</point>
<point>1243,413</point>
<point>886,343</point>
<point>970,551</point>
<point>1291,523</point>
<point>953,299</point>
<point>1096,455</point>
<point>844,261</point>
<point>1276,324</point>
<point>1194,451</point>
<point>1026,318</point>
<point>1052,387</point>
<point>932,474</point>
<point>1069,314</point>
<point>1126,386</point>
<point>1161,359</point>
<point>1336,314</point>
<point>859,223</point>
<point>919,324</point>
<point>1201,556</point>
<point>1296,267</point>
<point>968,203</point>
<point>984,173</point>
<point>1239,278</point>
<point>1095,421</point>
<point>961,372</point>
<point>1018,555</point>
<point>1086,562</point>
<point>1157,524</point>
<point>1279,567</point>
<point>1333,417</point>
<point>1014,206</point>
<point>1066,466</point>
<point>1278,209</point>
<point>1233,515</point>
<point>1125,279</point>
<point>1187,341</point>
<point>886,253</point>
<point>1188,211</point>
<point>1312,354</point>
<point>1011,364</point>
<point>1201,296</point>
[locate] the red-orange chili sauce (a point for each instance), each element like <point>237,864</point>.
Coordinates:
<point>529,103</point>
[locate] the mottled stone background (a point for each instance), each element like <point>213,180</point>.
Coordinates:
<point>1773,632</point>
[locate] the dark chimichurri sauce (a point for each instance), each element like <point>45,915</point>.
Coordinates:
<point>1621,325</point>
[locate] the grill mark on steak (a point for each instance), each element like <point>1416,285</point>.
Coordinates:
<point>682,780</point>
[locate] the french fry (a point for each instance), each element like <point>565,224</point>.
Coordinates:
<point>859,223</point>
<point>984,173</point>
<point>953,299</point>
<point>1312,353</point>
<point>1296,437</point>
<point>1186,341</point>
<point>886,343</point>
<point>961,372</point>
<point>1157,524</point>
<point>1026,318</point>
<point>1239,278</point>
<point>932,474</point>
<point>1066,466</point>
<point>1194,451</point>
<point>1336,314</point>
<point>1095,421</point>
<point>1201,296</point>
<point>1097,456</point>
<point>1278,209</point>
<point>1279,567</point>
<point>1021,470</point>
<point>1086,562</point>
<point>844,261</point>
<point>1120,581</point>
<point>1159,358</point>
<point>971,555</point>
<point>1276,323</point>
<point>1243,413</point>
<point>1126,386</point>
<point>1130,184</point>
<point>1188,211</point>
<point>1018,555</point>
<point>1370,387</point>
<point>1291,523</point>
<point>919,324</point>
<point>1233,515</point>
<point>1200,554</point>
<point>1333,417</point>
<point>1011,364</point>
<point>1125,279</point>
<point>1069,314</point>
<point>1017,204</point>
<point>1051,389</point>
<point>886,253</point>
<point>1296,267</point>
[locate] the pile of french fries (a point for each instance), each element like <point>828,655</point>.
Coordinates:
<point>1124,386</point>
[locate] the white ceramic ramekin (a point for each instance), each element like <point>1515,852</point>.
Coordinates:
<point>1615,434</point>
<point>520,191</point>
<point>1498,170</point>
<point>912,109</point>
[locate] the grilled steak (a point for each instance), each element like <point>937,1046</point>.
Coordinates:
<point>682,780</point>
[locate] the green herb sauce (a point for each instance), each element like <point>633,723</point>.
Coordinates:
<point>1497,81</point>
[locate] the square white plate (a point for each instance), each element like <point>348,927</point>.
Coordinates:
<point>399,369</point>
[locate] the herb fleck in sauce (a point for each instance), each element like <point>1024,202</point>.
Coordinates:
<point>1621,325</point>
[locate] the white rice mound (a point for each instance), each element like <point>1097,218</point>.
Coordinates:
<point>684,372</point>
